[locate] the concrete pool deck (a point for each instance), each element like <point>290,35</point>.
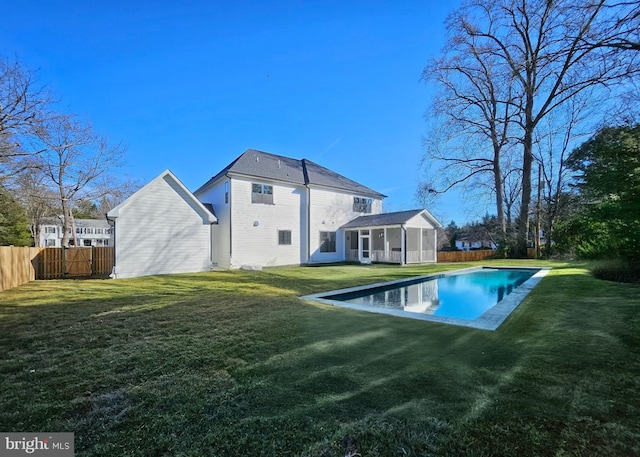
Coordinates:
<point>490,320</point>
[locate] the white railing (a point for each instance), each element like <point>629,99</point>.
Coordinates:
<point>386,256</point>
<point>429,256</point>
<point>413,256</point>
<point>392,256</point>
<point>352,255</point>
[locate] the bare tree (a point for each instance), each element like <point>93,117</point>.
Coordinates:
<point>75,160</point>
<point>23,108</point>
<point>473,113</point>
<point>108,194</point>
<point>548,52</point>
<point>556,136</point>
<point>621,26</point>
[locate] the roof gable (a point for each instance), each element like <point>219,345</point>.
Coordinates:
<point>175,183</point>
<point>259,164</point>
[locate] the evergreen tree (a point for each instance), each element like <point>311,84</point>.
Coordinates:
<point>608,178</point>
<point>13,222</point>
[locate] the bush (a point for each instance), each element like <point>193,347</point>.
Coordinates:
<point>619,270</point>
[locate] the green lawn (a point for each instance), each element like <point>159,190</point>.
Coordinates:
<point>234,364</point>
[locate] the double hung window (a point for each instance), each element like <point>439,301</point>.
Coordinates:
<point>327,241</point>
<point>262,193</point>
<point>361,205</point>
<point>284,237</point>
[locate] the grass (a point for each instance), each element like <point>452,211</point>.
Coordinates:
<point>232,363</point>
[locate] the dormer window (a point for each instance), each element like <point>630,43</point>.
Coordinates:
<point>262,193</point>
<point>361,205</point>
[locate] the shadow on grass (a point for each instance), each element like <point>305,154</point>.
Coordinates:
<point>232,363</point>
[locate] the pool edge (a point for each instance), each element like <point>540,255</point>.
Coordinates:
<point>490,320</point>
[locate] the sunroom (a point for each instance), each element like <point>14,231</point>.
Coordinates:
<point>405,237</point>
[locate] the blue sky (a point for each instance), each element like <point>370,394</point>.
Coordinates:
<point>190,85</point>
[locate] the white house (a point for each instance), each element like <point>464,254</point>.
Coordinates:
<point>87,232</point>
<point>468,244</point>
<point>162,228</point>
<point>270,210</point>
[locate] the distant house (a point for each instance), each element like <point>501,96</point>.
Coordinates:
<point>87,232</point>
<point>469,244</point>
<point>268,210</point>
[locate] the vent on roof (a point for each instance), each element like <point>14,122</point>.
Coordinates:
<point>279,166</point>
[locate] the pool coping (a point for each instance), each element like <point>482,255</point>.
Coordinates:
<point>490,320</point>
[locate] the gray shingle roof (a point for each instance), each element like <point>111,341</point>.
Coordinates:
<point>259,164</point>
<point>78,222</point>
<point>371,220</point>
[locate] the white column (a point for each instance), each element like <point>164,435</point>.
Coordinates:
<point>435,244</point>
<point>403,243</point>
<point>387,254</point>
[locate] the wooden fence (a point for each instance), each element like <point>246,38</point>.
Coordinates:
<point>474,256</point>
<point>19,265</point>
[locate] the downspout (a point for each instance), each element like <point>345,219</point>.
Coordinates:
<point>213,263</point>
<point>308,214</point>
<point>305,175</point>
<point>230,222</point>
<point>113,274</point>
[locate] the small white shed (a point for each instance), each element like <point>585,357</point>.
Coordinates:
<point>162,228</point>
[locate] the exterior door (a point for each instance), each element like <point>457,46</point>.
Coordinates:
<point>365,248</point>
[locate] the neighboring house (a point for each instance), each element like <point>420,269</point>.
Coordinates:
<point>88,232</point>
<point>273,210</point>
<point>468,244</point>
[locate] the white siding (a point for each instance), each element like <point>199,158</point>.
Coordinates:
<point>161,231</point>
<point>329,211</point>
<point>255,226</point>
<point>214,195</point>
<point>53,237</point>
<point>420,222</point>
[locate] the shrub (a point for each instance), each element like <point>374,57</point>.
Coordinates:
<point>619,270</point>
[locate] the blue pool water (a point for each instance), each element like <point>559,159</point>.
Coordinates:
<point>465,295</point>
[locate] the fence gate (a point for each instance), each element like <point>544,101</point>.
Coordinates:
<point>78,261</point>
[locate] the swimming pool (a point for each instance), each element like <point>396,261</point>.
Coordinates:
<point>479,297</point>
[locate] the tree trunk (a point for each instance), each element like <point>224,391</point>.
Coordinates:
<point>497,176</point>
<point>66,222</point>
<point>523,218</point>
